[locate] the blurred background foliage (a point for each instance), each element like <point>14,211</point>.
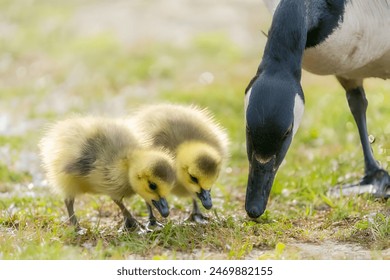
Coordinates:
<point>104,57</point>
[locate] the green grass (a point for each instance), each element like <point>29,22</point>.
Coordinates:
<point>99,74</point>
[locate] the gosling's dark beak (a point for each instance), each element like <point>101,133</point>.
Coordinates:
<point>162,206</point>
<point>260,179</point>
<point>205,198</point>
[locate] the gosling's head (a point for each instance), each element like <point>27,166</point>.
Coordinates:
<point>152,176</point>
<point>197,166</point>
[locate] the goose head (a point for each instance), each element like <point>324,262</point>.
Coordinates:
<point>274,108</point>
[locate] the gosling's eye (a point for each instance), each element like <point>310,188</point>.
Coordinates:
<point>194,179</point>
<point>152,186</point>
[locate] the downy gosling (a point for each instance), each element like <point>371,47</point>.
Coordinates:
<point>102,156</point>
<point>197,143</point>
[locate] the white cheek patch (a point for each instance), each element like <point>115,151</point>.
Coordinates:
<point>246,101</point>
<point>299,107</point>
<point>271,5</point>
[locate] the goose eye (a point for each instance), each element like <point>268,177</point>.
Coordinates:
<point>289,130</point>
<point>194,179</point>
<point>152,186</point>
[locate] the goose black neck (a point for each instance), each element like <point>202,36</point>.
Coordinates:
<point>286,39</point>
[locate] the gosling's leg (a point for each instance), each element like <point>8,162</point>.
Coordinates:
<point>152,223</point>
<point>196,215</point>
<point>69,203</point>
<point>130,223</point>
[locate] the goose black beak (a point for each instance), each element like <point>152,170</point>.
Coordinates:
<point>162,206</point>
<point>205,198</point>
<point>260,180</point>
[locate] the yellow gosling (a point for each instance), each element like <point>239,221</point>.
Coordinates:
<point>102,156</point>
<point>194,139</point>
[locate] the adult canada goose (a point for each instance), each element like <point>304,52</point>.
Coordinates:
<point>102,156</point>
<point>197,143</point>
<point>347,38</point>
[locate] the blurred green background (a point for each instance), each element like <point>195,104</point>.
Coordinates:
<point>105,57</point>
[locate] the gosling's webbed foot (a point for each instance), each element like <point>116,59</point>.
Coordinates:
<point>196,215</point>
<point>131,225</point>
<point>153,225</point>
<point>376,183</point>
<point>139,229</point>
<point>76,226</point>
<point>198,218</point>
<point>80,230</point>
